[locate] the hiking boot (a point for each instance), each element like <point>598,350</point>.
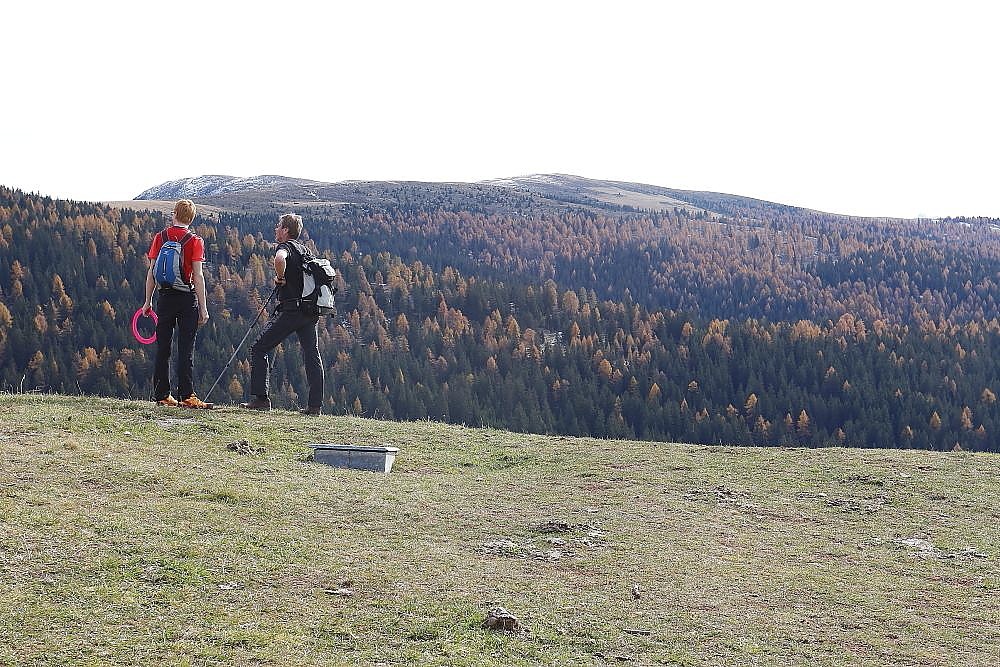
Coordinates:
<point>168,402</point>
<point>263,404</point>
<point>196,403</point>
<point>310,411</point>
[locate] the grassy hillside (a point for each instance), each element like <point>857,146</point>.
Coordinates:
<point>134,535</point>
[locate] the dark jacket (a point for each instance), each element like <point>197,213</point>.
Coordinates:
<point>291,291</point>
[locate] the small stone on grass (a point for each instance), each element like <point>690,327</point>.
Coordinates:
<point>499,618</point>
<point>244,447</point>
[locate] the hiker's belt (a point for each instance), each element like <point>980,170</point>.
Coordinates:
<point>290,304</point>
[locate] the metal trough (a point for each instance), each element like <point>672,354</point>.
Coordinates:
<point>376,459</point>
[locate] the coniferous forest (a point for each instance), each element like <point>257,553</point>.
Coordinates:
<point>743,322</point>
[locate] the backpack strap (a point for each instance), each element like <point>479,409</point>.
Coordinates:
<point>301,252</point>
<point>299,247</point>
<point>164,237</point>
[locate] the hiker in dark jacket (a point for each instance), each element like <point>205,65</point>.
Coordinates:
<point>289,317</point>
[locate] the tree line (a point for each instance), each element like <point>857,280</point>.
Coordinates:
<point>432,324</point>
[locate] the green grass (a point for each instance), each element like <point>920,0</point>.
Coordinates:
<point>132,535</point>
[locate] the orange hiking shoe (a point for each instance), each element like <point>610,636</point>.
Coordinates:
<point>196,403</point>
<point>168,402</point>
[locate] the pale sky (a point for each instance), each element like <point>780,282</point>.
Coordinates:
<point>866,108</point>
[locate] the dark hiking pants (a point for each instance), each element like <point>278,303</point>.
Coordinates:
<point>175,310</point>
<point>282,325</point>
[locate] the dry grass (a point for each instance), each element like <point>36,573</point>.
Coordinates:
<point>204,210</point>
<point>132,535</point>
<point>622,196</point>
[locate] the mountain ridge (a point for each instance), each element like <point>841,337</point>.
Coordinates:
<point>545,191</point>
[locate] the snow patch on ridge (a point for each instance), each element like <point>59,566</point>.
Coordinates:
<point>209,186</point>
<point>544,179</point>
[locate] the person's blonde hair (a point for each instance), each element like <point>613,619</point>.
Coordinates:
<point>185,210</point>
<point>293,223</point>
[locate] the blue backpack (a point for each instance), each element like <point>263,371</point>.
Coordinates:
<point>167,267</point>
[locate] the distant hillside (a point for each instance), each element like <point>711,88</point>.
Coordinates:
<point>538,191</point>
<point>549,192</point>
<point>237,191</point>
<point>237,194</point>
<point>205,187</point>
<point>133,535</point>
<point>580,190</point>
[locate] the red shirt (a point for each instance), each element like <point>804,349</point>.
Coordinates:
<point>194,249</point>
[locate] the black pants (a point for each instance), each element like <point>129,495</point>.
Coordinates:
<point>180,310</point>
<point>283,324</point>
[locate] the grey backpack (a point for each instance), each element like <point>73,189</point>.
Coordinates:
<point>318,289</point>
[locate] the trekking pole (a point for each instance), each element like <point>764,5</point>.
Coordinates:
<point>245,336</point>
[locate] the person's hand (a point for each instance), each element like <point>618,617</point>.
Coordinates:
<point>203,316</point>
<point>279,281</point>
<point>147,308</point>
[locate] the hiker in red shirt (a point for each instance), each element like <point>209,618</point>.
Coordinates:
<point>176,256</point>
